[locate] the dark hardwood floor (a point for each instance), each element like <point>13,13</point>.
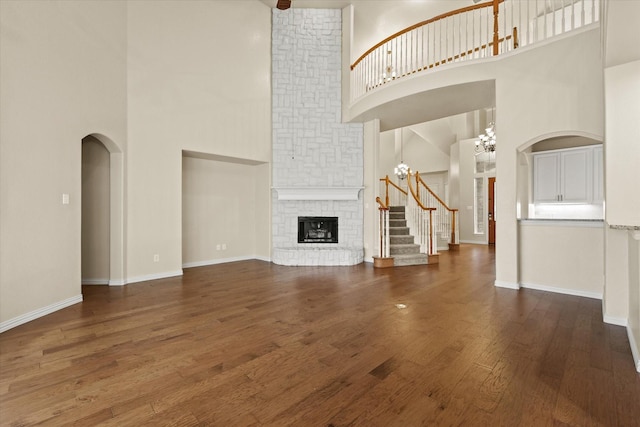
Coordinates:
<point>252,343</point>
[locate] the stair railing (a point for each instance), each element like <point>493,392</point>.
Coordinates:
<point>420,221</point>
<point>396,197</point>
<point>478,31</point>
<point>419,217</point>
<point>446,221</point>
<point>385,251</point>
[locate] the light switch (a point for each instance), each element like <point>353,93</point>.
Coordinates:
<point>65,198</point>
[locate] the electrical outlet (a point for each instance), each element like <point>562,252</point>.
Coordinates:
<point>217,247</point>
<point>224,246</point>
<point>156,258</point>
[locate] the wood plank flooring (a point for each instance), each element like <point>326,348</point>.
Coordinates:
<point>251,344</point>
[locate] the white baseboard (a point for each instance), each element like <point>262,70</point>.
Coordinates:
<point>473,242</point>
<point>155,276</point>
<point>95,281</point>
<point>117,282</point>
<point>574,292</point>
<point>618,321</point>
<point>635,350</point>
<point>507,285</point>
<point>262,258</point>
<point>216,261</point>
<point>35,314</point>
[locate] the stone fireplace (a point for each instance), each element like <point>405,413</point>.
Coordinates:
<point>317,167</point>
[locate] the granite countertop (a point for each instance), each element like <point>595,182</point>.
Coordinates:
<point>575,220</point>
<point>625,227</point>
<point>562,219</point>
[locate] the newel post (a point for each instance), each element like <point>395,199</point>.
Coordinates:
<point>496,38</point>
<point>453,246</point>
<point>386,185</point>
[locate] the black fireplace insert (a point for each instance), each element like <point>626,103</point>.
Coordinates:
<point>317,229</point>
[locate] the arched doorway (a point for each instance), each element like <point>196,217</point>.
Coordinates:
<point>102,211</point>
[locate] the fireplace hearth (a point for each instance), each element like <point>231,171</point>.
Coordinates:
<point>317,229</point>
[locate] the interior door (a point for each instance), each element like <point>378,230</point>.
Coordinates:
<point>492,211</point>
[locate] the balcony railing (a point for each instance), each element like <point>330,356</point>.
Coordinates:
<point>478,31</point>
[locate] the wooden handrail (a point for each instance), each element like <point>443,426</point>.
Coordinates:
<point>417,198</point>
<point>471,51</point>
<point>491,3</point>
<point>387,182</point>
<point>419,180</point>
<point>386,178</point>
<point>382,205</point>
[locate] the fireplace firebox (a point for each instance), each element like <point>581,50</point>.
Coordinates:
<point>317,229</point>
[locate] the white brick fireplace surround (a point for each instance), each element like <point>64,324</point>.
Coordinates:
<point>317,160</point>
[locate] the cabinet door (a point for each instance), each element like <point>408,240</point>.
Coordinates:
<point>598,181</point>
<point>546,178</point>
<point>576,184</point>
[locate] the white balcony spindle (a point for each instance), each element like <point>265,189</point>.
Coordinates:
<point>468,37</point>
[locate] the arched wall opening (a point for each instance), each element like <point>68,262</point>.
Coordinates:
<point>103,214</point>
<point>561,238</point>
<point>547,142</point>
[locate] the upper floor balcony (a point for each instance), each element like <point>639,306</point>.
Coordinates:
<point>481,31</point>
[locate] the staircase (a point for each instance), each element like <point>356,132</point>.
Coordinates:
<point>402,249</point>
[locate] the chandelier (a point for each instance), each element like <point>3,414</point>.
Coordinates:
<point>486,142</point>
<point>389,73</point>
<point>402,170</point>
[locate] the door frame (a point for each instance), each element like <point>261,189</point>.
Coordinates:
<point>491,210</point>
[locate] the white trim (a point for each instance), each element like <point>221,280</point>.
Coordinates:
<point>541,222</point>
<point>95,281</point>
<point>474,242</point>
<point>318,193</point>
<point>574,292</point>
<point>155,276</point>
<point>36,314</point>
<point>507,285</point>
<point>216,261</point>
<point>117,283</point>
<point>262,258</point>
<point>635,350</point>
<point>618,321</point>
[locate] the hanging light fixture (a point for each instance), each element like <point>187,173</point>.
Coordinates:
<point>402,170</point>
<point>486,141</point>
<point>389,73</point>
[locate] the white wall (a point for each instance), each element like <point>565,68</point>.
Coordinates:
<point>62,77</point>
<point>633,329</point>
<point>562,257</point>
<point>467,195</point>
<point>376,20</point>
<point>555,88</point>
<point>622,155</point>
<point>422,156</point>
<point>218,219</point>
<point>199,79</point>
<point>95,212</point>
<point>622,150</point>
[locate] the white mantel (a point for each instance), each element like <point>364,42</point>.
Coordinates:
<point>318,193</point>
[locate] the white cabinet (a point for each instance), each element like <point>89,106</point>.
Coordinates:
<point>568,176</point>
<point>598,181</point>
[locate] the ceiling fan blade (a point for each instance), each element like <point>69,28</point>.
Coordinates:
<point>283,4</point>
